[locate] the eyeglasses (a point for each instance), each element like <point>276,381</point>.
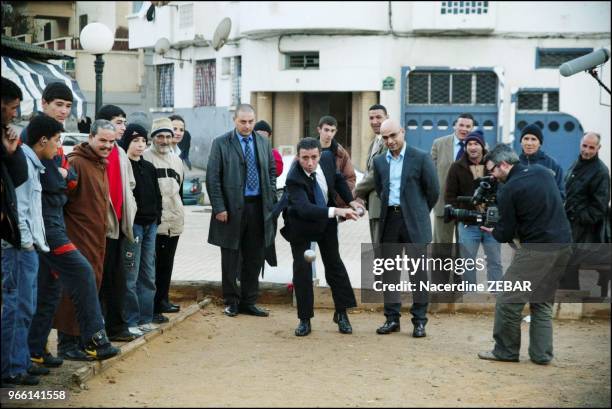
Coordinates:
<point>163,136</point>
<point>492,169</point>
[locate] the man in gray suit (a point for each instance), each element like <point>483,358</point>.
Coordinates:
<point>407,185</point>
<point>241,184</point>
<point>365,190</point>
<point>444,152</point>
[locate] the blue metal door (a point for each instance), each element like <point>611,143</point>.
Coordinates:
<point>561,132</point>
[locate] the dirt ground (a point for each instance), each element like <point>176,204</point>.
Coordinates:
<point>213,360</point>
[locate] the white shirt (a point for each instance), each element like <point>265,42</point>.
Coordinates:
<point>323,185</point>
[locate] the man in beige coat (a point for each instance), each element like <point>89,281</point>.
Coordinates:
<point>366,189</point>
<point>446,150</point>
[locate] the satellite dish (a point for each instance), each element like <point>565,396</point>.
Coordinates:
<point>222,33</point>
<point>162,46</point>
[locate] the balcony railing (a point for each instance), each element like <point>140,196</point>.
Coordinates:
<point>73,44</point>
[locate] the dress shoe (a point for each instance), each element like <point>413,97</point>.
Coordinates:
<point>490,356</point>
<point>303,328</point>
<point>388,327</point>
<point>170,308</point>
<point>344,325</point>
<point>419,330</point>
<point>252,309</point>
<point>38,370</point>
<point>231,310</point>
<point>160,319</point>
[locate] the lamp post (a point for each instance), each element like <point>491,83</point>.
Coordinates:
<point>97,39</point>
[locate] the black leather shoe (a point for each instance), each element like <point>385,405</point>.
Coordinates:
<point>344,325</point>
<point>490,356</point>
<point>388,327</point>
<point>169,308</point>
<point>252,309</point>
<point>231,310</point>
<point>38,370</point>
<point>160,319</point>
<point>419,331</point>
<point>303,328</point>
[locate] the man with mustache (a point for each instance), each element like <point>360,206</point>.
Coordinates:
<point>170,178</point>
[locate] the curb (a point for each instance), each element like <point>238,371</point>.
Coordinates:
<point>91,369</point>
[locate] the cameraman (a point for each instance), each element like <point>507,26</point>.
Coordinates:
<point>530,207</point>
<point>462,180</point>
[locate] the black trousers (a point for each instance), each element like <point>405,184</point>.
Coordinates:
<point>165,249</point>
<point>113,287</point>
<point>394,231</point>
<point>335,274</point>
<point>248,259</point>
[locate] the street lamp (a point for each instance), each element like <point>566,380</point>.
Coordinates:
<point>97,39</point>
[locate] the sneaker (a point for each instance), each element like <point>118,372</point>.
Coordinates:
<point>99,347</point>
<point>74,354</point>
<point>21,379</point>
<point>38,370</point>
<point>148,327</point>
<point>123,336</point>
<point>135,331</point>
<point>46,359</point>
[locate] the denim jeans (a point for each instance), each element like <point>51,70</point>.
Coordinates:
<point>19,272</point>
<point>139,266</point>
<point>470,237</point>
<point>77,278</point>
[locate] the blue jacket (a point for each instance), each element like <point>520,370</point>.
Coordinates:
<point>541,158</point>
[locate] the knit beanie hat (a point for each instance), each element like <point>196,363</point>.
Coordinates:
<point>161,125</point>
<point>475,136</point>
<point>263,126</point>
<point>534,130</point>
<point>131,132</point>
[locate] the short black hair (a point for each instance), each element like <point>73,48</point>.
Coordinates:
<point>328,120</point>
<point>42,125</point>
<point>57,90</point>
<point>10,91</point>
<point>308,143</point>
<point>109,112</point>
<point>378,106</point>
<point>465,115</point>
<point>176,117</point>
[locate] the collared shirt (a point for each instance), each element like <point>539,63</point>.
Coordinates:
<point>29,204</point>
<point>395,176</point>
<point>251,142</point>
<point>456,146</point>
<point>324,188</point>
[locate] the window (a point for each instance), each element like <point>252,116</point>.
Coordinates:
<point>538,101</point>
<point>186,16</point>
<point>165,85</point>
<point>47,31</point>
<point>82,22</point>
<point>236,72</point>
<point>452,88</point>
<point>307,60</point>
<point>205,80</point>
<point>554,57</point>
<point>464,7</point>
<point>136,6</point>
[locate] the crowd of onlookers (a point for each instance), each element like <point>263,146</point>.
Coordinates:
<point>89,239</point>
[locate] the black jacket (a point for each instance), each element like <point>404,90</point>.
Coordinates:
<point>541,158</point>
<point>530,208</point>
<point>147,194</point>
<point>13,171</point>
<point>588,193</point>
<point>304,220</point>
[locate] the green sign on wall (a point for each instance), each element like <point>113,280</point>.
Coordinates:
<point>388,83</point>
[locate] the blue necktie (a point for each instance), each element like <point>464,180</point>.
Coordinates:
<point>251,181</point>
<point>461,150</point>
<point>318,193</point>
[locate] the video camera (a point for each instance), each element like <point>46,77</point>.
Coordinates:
<point>485,195</point>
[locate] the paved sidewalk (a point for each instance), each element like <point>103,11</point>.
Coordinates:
<point>197,260</point>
